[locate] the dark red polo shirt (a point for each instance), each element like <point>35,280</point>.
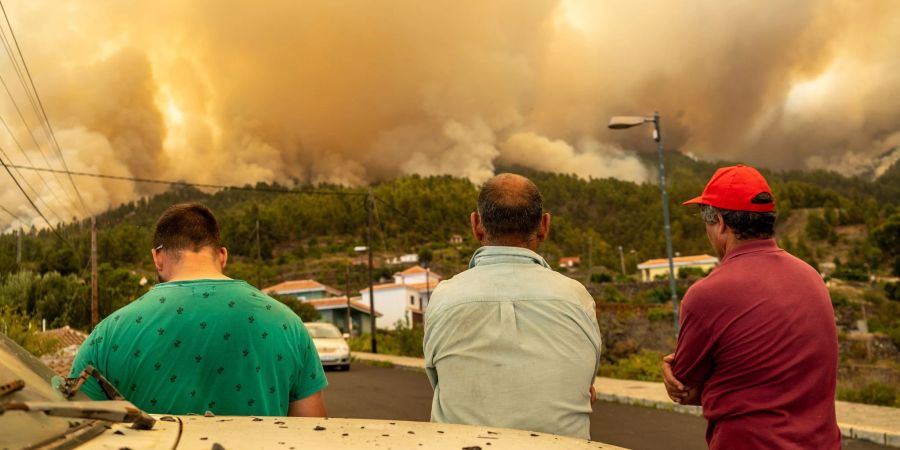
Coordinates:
<point>759,335</point>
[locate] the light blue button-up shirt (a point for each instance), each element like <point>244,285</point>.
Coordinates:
<point>511,343</point>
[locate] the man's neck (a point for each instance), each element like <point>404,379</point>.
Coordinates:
<point>531,244</point>
<point>734,243</point>
<point>198,275</point>
<point>197,267</point>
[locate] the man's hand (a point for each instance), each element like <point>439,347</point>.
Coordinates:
<point>676,390</point>
<point>593,395</point>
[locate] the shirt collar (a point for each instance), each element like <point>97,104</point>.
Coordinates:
<point>755,246</point>
<point>497,254</point>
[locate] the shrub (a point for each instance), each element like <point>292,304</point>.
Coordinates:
<point>401,342</point>
<point>643,366</point>
<point>601,278</point>
<point>21,330</point>
<point>838,299</point>
<point>655,314</point>
<point>873,394</point>
<point>612,294</point>
<point>306,311</point>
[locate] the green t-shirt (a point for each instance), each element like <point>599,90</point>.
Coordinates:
<point>204,345</point>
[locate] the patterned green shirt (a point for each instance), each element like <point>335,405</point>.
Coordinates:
<point>204,345</point>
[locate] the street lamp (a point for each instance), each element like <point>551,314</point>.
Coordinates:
<point>622,122</point>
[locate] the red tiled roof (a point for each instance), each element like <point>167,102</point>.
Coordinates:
<point>423,286</point>
<point>65,336</point>
<point>416,286</point>
<point>412,270</point>
<point>299,286</point>
<point>68,340</point>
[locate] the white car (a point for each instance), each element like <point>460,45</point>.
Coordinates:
<point>35,413</point>
<point>331,345</point>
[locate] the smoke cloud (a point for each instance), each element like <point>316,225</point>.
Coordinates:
<point>354,91</point>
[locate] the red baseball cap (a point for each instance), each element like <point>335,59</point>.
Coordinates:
<point>737,188</point>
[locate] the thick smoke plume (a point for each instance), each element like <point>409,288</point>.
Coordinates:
<point>353,91</point>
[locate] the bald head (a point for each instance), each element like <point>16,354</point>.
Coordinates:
<point>510,208</point>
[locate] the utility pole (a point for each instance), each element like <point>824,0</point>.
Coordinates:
<point>349,313</point>
<point>370,210</point>
<point>258,254</point>
<point>427,289</point>
<point>657,136</point>
<point>95,313</point>
<point>590,260</point>
<point>19,247</point>
<point>622,259</point>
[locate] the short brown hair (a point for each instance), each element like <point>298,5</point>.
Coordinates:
<point>510,206</point>
<point>186,226</point>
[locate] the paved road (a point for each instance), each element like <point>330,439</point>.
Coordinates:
<point>382,393</point>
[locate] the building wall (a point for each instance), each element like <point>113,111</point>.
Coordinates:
<point>338,317</point>
<point>651,274</point>
<point>308,295</point>
<point>392,304</point>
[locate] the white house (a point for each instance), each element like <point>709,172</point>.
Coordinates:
<point>404,300</point>
<point>659,268</point>
<point>409,258</point>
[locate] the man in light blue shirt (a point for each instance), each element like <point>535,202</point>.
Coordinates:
<point>511,343</point>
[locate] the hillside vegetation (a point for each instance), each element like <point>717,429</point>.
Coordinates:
<point>312,236</point>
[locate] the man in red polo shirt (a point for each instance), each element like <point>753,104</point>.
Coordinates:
<point>758,347</point>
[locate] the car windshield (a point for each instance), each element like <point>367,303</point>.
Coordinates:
<point>20,429</point>
<point>323,331</point>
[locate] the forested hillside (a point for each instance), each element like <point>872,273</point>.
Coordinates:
<point>313,234</point>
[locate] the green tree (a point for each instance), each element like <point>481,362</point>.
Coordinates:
<point>306,311</point>
<point>887,238</point>
<point>817,228</point>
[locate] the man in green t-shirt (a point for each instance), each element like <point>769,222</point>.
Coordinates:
<point>200,341</point>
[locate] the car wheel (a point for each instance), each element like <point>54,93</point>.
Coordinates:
<point>346,367</point>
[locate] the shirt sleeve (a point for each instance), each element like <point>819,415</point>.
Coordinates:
<point>311,376</point>
<point>87,355</point>
<point>696,343</point>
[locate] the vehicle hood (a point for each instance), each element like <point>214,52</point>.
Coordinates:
<point>285,433</point>
<point>329,342</point>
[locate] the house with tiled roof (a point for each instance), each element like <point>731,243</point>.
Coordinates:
<point>569,261</point>
<point>67,342</point>
<point>334,310</point>
<point>330,302</point>
<point>403,301</point>
<point>653,269</point>
<point>303,289</point>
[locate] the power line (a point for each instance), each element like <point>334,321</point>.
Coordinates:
<point>3,208</point>
<point>40,104</point>
<point>197,185</point>
<point>27,183</point>
<point>22,150</point>
<point>33,205</point>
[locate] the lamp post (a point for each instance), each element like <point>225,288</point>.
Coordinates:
<point>622,122</point>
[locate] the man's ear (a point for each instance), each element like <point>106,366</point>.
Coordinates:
<point>544,230</point>
<point>721,228</point>
<point>223,257</point>
<point>477,228</point>
<point>157,259</point>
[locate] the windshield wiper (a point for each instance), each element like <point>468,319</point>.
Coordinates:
<point>120,411</point>
<point>72,385</point>
<point>117,409</point>
<point>12,386</point>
